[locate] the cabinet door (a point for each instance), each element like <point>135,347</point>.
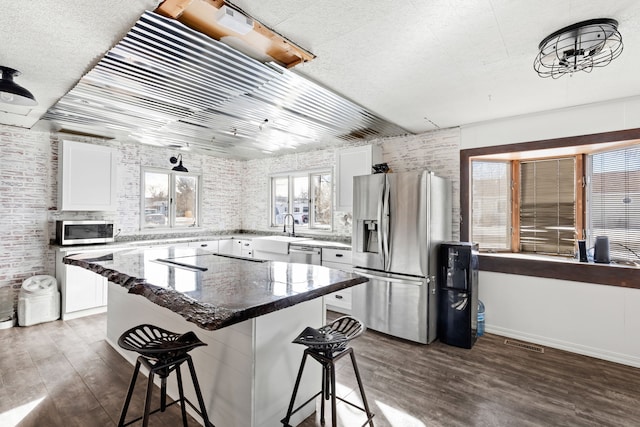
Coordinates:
<point>226,246</point>
<point>87,177</point>
<point>209,246</point>
<point>339,256</point>
<point>339,301</point>
<point>352,162</point>
<point>83,289</point>
<point>246,249</point>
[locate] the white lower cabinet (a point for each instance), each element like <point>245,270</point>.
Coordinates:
<point>246,248</point>
<point>84,289</point>
<point>209,246</point>
<point>226,246</point>
<point>236,247</point>
<point>339,259</point>
<point>83,292</point>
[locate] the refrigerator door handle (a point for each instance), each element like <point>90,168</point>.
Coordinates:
<point>408,280</point>
<point>384,225</point>
<point>381,234</point>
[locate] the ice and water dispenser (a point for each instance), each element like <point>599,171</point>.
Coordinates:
<point>458,294</point>
<point>367,236</point>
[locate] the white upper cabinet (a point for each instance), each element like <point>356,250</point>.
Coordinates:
<point>87,177</point>
<point>352,162</point>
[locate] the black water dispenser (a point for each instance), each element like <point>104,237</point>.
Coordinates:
<point>458,294</point>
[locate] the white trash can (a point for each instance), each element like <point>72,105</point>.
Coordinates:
<point>7,317</point>
<point>38,301</point>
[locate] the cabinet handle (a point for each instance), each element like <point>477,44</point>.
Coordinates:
<point>339,296</point>
<point>204,245</point>
<point>246,244</point>
<point>339,255</point>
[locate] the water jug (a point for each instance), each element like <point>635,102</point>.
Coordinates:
<point>480,318</point>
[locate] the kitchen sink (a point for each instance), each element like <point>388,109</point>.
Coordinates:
<point>275,244</point>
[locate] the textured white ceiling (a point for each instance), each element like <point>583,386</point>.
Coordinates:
<point>419,64</point>
<point>450,62</point>
<point>53,43</point>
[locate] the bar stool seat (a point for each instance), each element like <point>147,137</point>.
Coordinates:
<point>161,352</point>
<point>327,345</point>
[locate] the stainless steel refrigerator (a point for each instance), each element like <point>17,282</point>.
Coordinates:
<point>398,221</point>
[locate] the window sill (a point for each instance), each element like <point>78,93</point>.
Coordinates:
<point>562,269</point>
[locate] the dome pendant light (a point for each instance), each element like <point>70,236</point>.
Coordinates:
<point>11,92</point>
<point>178,168</point>
<point>579,47</point>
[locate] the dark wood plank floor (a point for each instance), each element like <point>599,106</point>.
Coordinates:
<point>64,374</point>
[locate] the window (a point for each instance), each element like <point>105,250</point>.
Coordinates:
<point>170,199</point>
<point>542,218</point>
<point>306,196</point>
<point>586,150</point>
<point>491,195</point>
<point>614,201</point>
<point>546,205</point>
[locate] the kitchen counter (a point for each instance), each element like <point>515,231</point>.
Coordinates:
<point>209,290</point>
<point>169,239</point>
<point>324,244</point>
<point>247,312</point>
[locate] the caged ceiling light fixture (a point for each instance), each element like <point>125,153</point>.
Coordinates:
<point>579,47</point>
<point>178,168</point>
<point>11,92</point>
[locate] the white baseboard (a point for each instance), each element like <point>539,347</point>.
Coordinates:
<point>598,353</point>
<point>82,313</point>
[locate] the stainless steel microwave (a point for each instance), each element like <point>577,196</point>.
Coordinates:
<point>84,232</point>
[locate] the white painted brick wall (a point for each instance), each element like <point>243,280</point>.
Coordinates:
<point>25,188</point>
<point>235,194</point>
<point>220,181</point>
<point>437,151</point>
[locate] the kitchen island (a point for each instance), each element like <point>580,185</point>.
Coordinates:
<point>247,311</point>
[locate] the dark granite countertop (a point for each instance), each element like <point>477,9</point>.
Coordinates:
<point>209,290</point>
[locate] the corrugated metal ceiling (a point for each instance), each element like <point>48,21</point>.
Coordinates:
<point>169,85</point>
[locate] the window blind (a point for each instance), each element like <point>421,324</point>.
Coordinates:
<point>615,201</point>
<point>491,201</point>
<point>547,206</point>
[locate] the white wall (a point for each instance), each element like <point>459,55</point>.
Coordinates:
<point>582,120</point>
<point>592,319</point>
<point>595,320</point>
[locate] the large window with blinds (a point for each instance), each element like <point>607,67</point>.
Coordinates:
<point>491,208</point>
<point>614,201</point>
<point>525,206</point>
<point>545,205</point>
<point>548,206</point>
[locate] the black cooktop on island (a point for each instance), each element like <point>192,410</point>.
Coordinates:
<point>210,290</point>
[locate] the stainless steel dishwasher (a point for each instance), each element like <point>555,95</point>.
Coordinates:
<point>304,254</point>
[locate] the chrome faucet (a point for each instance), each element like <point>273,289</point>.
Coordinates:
<point>293,224</point>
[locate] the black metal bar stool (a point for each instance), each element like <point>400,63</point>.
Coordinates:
<point>162,352</point>
<point>327,345</point>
